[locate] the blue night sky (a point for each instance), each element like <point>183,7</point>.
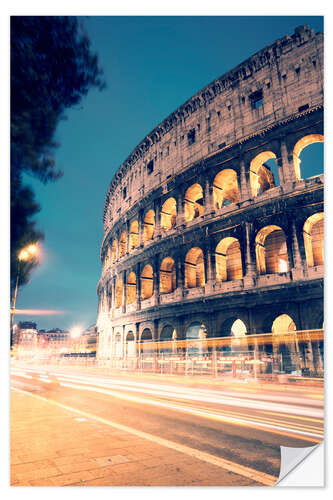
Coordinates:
<point>151,65</point>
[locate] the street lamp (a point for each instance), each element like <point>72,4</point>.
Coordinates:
<point>25,254</point>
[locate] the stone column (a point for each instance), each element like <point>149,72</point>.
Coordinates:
<point>295,246</point>
<point>208,198</point>
<point>138,287</point>
<point>289,174</point>
<point>180,209</point>
<point>208,267</point>
<point>127,236</point>
<point>124,297</point>
<point>250,266</point>
<point>245,188</point>
<point>117,246</point>
<point>157,209</point>
<point>156,276</point>
<point>141,226</point>
<point>181,273</point>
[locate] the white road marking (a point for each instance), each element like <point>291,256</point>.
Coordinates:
<point>259,477</point>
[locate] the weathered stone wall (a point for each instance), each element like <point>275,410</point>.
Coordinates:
<point>235,241</point>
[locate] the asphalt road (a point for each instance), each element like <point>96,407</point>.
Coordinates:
<point>243,424</point>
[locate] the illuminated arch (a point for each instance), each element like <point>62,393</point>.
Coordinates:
<point>228,260</point>
<point>147,282</point>
<point>114,251</point>
<point>131,288</point>
<point>149,226</point>
<point>313,234</point>
<point>194,268</point>
<point>130,344</point>
<point>225,188</point>
<point>134,235</point>
<point>168,333</point>
<point>261,176</point>
<point>271,250</point>
<point>146,339</point>
<point>193,202</point>
<point>118,345</point>
<point>122,244</point>
<point>283,324</point>
<point>298,148</point>
<point>119,293</point>
<point>168,214</point>
<point>167,275</point>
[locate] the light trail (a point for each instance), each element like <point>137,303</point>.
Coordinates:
<point>215,416</point>
<point>257,476</point>
<point>282,419</point>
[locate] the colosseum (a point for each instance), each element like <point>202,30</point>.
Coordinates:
<point>212,229</point>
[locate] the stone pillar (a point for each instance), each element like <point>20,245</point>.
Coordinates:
<point>157,209</point>
<point>138,287</point>
<point>181,274</point>
<point>117,246</point>
<point>289,174</point>
<point>141,226</point>
<point>244,188</point>
<point>208,198</point>
<point>250,266</point>
<point>127,236</point>
<point>281,172</point>
<point>156,276</point>
<point>297,261</point>
<point>124,297</point>
<point>180,209</point>
<point>208,267</point>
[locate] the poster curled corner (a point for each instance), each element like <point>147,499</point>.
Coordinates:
<point>292,457</point>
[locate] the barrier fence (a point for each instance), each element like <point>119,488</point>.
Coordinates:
<point>297,353</point>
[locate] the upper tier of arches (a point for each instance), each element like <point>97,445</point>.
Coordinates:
<point>266,89</point>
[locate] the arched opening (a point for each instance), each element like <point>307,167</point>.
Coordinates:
<point>308,156</point>
<point>134,235</point>
<point>119,293</point>
<point>193,202</point>
<point>114,251</point>
<point>167,275</point>
<point>122,244</point>
<point>228,259</point>
<point>168,214</point>
<point>118,346</point>
<point>130,345</point>
<point>168,333</point>
<point>236,329</point>
<point>264,173</point>
<point>147,282</point>
<point>283,324</point>
<point>313,233</point>
<point>196,331</point>
<point>131,288</point>
<point>271,251</point>
<point>225,188</point>
<point>149,225</point>
<point>146,341</point>
<point>194,268</point>
<point>285,354</point>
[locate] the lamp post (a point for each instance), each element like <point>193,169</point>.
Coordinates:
<point>25,254</point>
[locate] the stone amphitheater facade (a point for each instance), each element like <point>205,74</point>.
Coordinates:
<point>209,224</point>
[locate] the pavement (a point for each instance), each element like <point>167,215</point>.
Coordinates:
<point>54,446</point>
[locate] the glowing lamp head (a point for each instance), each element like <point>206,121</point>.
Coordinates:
<point>75,332</point>
<point>23,255</point>
<point>32,249</point>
